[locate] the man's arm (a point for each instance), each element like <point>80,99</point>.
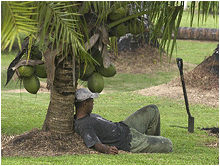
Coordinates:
<point>103,149</point>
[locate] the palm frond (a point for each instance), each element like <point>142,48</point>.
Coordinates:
<point>62,24</point>
<point>17,19</point>
<point>166,17</point>
<point>203,9</point>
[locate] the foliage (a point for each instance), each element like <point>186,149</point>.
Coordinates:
<point>168,20</point>
<point>16,20</point>
<point>62,22</point>
<point>205,8</point>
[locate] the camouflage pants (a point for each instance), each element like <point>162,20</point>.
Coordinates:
<point>145,130</point>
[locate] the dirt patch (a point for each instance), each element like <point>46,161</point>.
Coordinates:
<point>38,143</point>
<point>202,83</point>
<point>206,75</point>
<point>41,90</point>
<point>214,131</point>
<point>145,59</point>
<point>195,95</point>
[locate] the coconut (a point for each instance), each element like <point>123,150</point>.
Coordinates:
<point>121,30</point>
<point>118,14</point>
<point>109,72</point>
<point>85,71</point>
<point>40,71</point>
<point>31,84</point>
<point>96,83</point>
<point>26,71</point>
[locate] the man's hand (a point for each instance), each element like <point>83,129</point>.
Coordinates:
<point>108,150</point>
<point>112,150</point>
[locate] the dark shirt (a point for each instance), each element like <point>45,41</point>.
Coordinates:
<point>95,129</point>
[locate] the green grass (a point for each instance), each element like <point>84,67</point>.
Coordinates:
<point>22,112</point>
<point>7,57</point>
<point>210,23</point>
<point>188,148</point>
<point>122,159</point>
<point>194,52</point>
<point>131,82</point>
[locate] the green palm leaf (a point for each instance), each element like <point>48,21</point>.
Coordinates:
<point>17,20</point>
<point>61,21</point>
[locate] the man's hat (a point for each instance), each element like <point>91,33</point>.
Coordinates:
<point>82,94</point>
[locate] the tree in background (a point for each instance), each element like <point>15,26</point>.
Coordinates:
<point>71,33</point>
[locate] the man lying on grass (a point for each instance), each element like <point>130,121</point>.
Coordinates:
<point>138,133</point>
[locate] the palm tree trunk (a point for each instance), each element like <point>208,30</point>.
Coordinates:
<point>60,114</point>
<point>198,34</point>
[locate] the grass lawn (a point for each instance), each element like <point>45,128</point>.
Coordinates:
<point>210,23</point>
<point>29,111</point>
<point>194,51</point>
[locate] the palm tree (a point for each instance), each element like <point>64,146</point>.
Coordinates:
<point>66,31</point>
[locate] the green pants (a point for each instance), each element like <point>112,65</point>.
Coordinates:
<point>145,130</point>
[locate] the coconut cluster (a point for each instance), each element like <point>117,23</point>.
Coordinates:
<point>94,73</point>
<point>133,26</point>
<point>30,74</point>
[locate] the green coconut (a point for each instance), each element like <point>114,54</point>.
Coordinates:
<point>31,84</point>
<point>96,83</point>
<point>85,71</point>
<point>40,71</point>
<point>118,14</point>
<point>26,71</point>
<point>121,30</point>
<point>109,72</point>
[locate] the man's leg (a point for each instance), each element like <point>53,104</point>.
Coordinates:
<point>145,130</point>
<point>142,143</point>
<point>145,120</point>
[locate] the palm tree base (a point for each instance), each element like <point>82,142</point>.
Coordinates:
<point>37,143</point>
